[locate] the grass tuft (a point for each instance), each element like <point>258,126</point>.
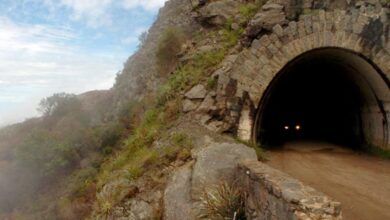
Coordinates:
<point>223,201</point>
<point>260,152</point>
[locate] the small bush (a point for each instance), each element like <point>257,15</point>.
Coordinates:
<point>179,148</point>
<point>224,201</point>
<point>212,83</point>
<point>110,195</point>
<point>169,45</point>
<point>250,9</point>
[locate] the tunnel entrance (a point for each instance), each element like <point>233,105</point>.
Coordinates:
<point>330,95</point>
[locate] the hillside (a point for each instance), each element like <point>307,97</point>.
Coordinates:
<point>174,125</point>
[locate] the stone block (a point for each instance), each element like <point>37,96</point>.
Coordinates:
<point>278,30</point>
<point>264,41</point>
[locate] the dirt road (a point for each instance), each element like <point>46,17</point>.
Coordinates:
<point>360,182</point>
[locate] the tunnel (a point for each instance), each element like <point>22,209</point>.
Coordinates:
<point>329,94</point>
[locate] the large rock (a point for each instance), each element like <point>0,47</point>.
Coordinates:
<point>271,15</point>
<point>197,92</point>
<point>216,163</point>
<point>177,197</point>
<point>141,210</point>
<point>207,104</point>
<point>218,12</point>
<point>189,105</point>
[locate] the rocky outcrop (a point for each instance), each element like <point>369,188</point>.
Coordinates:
<point>197,92</point>
<point>212,164</point>
<point>217,163</point>
<point>140,74</point>
<point>218,12</point>
<point>177,197</point>
<point>194,98</point>
<point>270,15</point>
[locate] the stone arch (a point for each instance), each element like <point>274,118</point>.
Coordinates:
<point>365,35</point>
<point>362,81</point>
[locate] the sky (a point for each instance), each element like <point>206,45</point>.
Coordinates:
<point>73,46</point>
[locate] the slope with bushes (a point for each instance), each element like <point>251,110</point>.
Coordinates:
<point>108,154</point>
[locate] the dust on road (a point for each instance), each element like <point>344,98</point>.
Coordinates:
<point>360,182</point>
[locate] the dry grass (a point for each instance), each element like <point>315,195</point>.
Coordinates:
<point>221,202</point>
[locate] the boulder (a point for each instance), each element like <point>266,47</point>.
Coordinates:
<point>272,6</point>
<point>177,197</point>
<point>189,105</point>
<point>218,12</point>
<point>216,163</point>
<point>266,19</point>
<point>205,49</point>
<point>198,3</point>
<point>207,104</point>
<point>141,210</point>
<point>197,92</point>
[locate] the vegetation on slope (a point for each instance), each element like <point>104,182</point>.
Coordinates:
<point>83,162</point>
<point>139,154</point>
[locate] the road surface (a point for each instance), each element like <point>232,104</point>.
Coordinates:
<point>360,182</point>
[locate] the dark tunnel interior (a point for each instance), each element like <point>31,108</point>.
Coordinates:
<point>314,98</point>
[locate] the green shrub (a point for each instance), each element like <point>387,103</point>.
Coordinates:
<point>224,201</point>
<point>110,195</point>
<point>45,154</point>
<point>83,179</point>
<point>168,47</point>
<point>180,146</point>
<point>111,134</point>
<point>250,9</point>
<point>212,83</point>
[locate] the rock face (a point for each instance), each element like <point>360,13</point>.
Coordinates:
<point>218,12</point>
<point>194,98</point>
<point>213,162</point>
<point>266,19</point>
<point>141,210</point>
<point>177,199</point>
<point>140,75</point>
<point>189,105</point>
<point>197,92</point>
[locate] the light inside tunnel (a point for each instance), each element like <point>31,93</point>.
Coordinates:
<point>326,94</point>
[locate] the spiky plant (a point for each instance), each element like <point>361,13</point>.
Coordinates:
<point>222,202</point>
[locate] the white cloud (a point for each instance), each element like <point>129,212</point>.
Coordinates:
<point>146,4</point>
<point>32,39</point>
<point>39,60</point>
<point>95,12</point>
<point>98,13</point>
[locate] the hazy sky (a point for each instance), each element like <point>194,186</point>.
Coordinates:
<point>49,46</point>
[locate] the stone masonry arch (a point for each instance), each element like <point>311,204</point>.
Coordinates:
<point>243,83</point>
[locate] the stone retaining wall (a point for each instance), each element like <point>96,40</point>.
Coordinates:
<point>271,194</point>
